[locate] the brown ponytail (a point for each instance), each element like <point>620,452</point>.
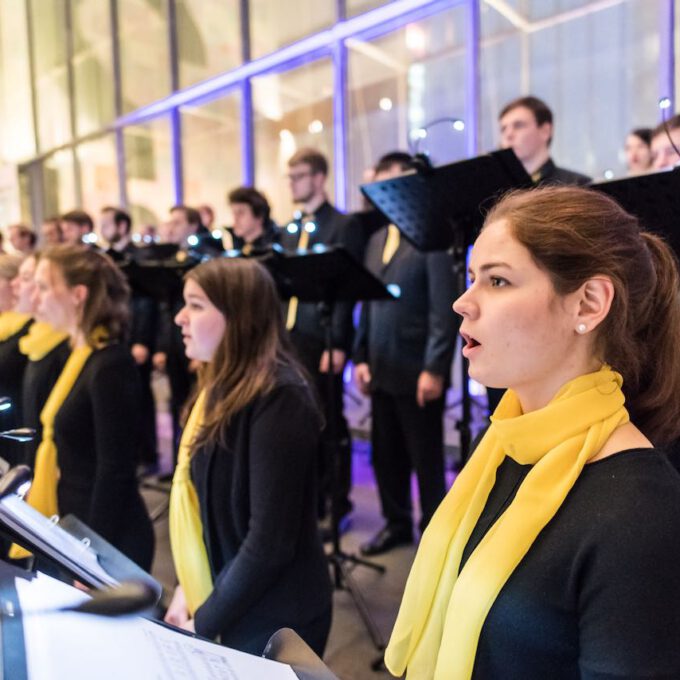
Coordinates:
<point>574,234</point>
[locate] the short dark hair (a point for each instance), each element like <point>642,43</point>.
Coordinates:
<point>673,123</point>
<point>538,107</point>
<point>401,158</point>
<point>79,217</point>
<point>192,215</point>
<point>644,134</point>
<point>252,197</point>
<point>315,159</point>
<point>25,232</point>
<point>119,217</point>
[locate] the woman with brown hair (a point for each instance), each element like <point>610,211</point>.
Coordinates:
<point>555,554</point>
<point>14,324</point>
<point>243,504</point>
<point>85,463</point>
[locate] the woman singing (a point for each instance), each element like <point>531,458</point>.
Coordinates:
<point>91,418</point>
<point>243,506</point>
<point>14,324</point>
<point>555,554</point>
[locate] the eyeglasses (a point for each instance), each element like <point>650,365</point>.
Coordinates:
<point>297,176</point>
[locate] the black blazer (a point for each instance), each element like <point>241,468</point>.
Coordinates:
<point>12,366</point>
<point>39,379</point>
<point>332,228</point>
<point>417,332</point>
<point>97,433</point>
<point>258,507</point>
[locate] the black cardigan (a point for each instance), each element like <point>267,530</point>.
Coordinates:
<point>598,594</point>
<point>12,365</point>
<point>39,379</point>
<point>96,432</point>
<point>258,508</point>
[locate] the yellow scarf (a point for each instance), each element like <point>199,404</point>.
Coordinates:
<point>442,612</point>
<point>40,340</point>
<point>11,323</point>
<point>186,531</point>
<point>43,493</point>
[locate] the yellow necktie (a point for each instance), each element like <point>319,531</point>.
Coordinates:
<point>391,244</point>
<point>186,529</point>
<point>443,610</point>
<point>43,493</point>
<point>303,244</point>
<point>40,340</point>
<point>11,323</point>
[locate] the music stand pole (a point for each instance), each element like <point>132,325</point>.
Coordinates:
<point>338,559</point>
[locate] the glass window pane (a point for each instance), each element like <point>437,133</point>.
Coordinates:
<point>92,65</point>
<point>208,38</point>
<point>274,24</point>
<point>59,183</point>
<point>51,78</point>
<point>355,7</point>
<point>16,110</point>
<point>568,60</point>
<point>98,173</point>
<point>291,110</point>
<point>148,166</point>
<point>144,51</point>
<point>401,82</point>
<point>212,131</point>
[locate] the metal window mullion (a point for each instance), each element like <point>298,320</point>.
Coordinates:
<point>32,76</point>
<point>71,86</point>
<point>119,139</point>
<point>175,118</point>
<point>473,78</point>
<point>247,119</point>
<point>340,123</point>
<point>667,53</point>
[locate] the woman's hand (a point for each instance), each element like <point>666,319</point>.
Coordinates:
<point>178,613</point>
<point>190,625</point>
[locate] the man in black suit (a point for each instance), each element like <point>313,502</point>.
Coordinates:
<point>115,229</point>
<point>526,127</point>
<point>320,223</point>
<point>253,231</point>
<point>403,359</point>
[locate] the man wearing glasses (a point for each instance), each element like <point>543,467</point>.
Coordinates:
<point>320,223</point>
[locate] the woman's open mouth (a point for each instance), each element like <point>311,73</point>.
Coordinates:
<point>471,344</point>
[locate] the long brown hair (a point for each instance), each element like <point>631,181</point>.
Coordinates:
<point>574,234</point>
<point>254,342</point>
<point>107,303</point>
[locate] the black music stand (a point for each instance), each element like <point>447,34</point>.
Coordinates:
<point>326,275</point>
<point>442,208</point>
<point>654,199</point>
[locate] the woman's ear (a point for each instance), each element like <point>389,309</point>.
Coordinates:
<point>596,296</point>
<point>79,294</point>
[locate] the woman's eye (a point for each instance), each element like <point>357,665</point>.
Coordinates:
<point>497,282</point>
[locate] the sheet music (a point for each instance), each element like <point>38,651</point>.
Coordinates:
<point>45,534</point>
<point>82,647</point>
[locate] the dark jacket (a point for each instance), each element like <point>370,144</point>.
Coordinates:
<point>12,366</point>
<point>96,432</point>
<point>39,379</point>
<point>258,507</point>
<point>399,339</point>
<point>332,228</point>
<point>549,173</point>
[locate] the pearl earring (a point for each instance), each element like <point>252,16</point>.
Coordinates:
<point>581,328</point>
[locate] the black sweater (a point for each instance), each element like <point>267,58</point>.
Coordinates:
<point>258,508</point>
<point>39,379</point>
<point>96,432</point>
<point>12,365</point>
<point>597,596</point>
